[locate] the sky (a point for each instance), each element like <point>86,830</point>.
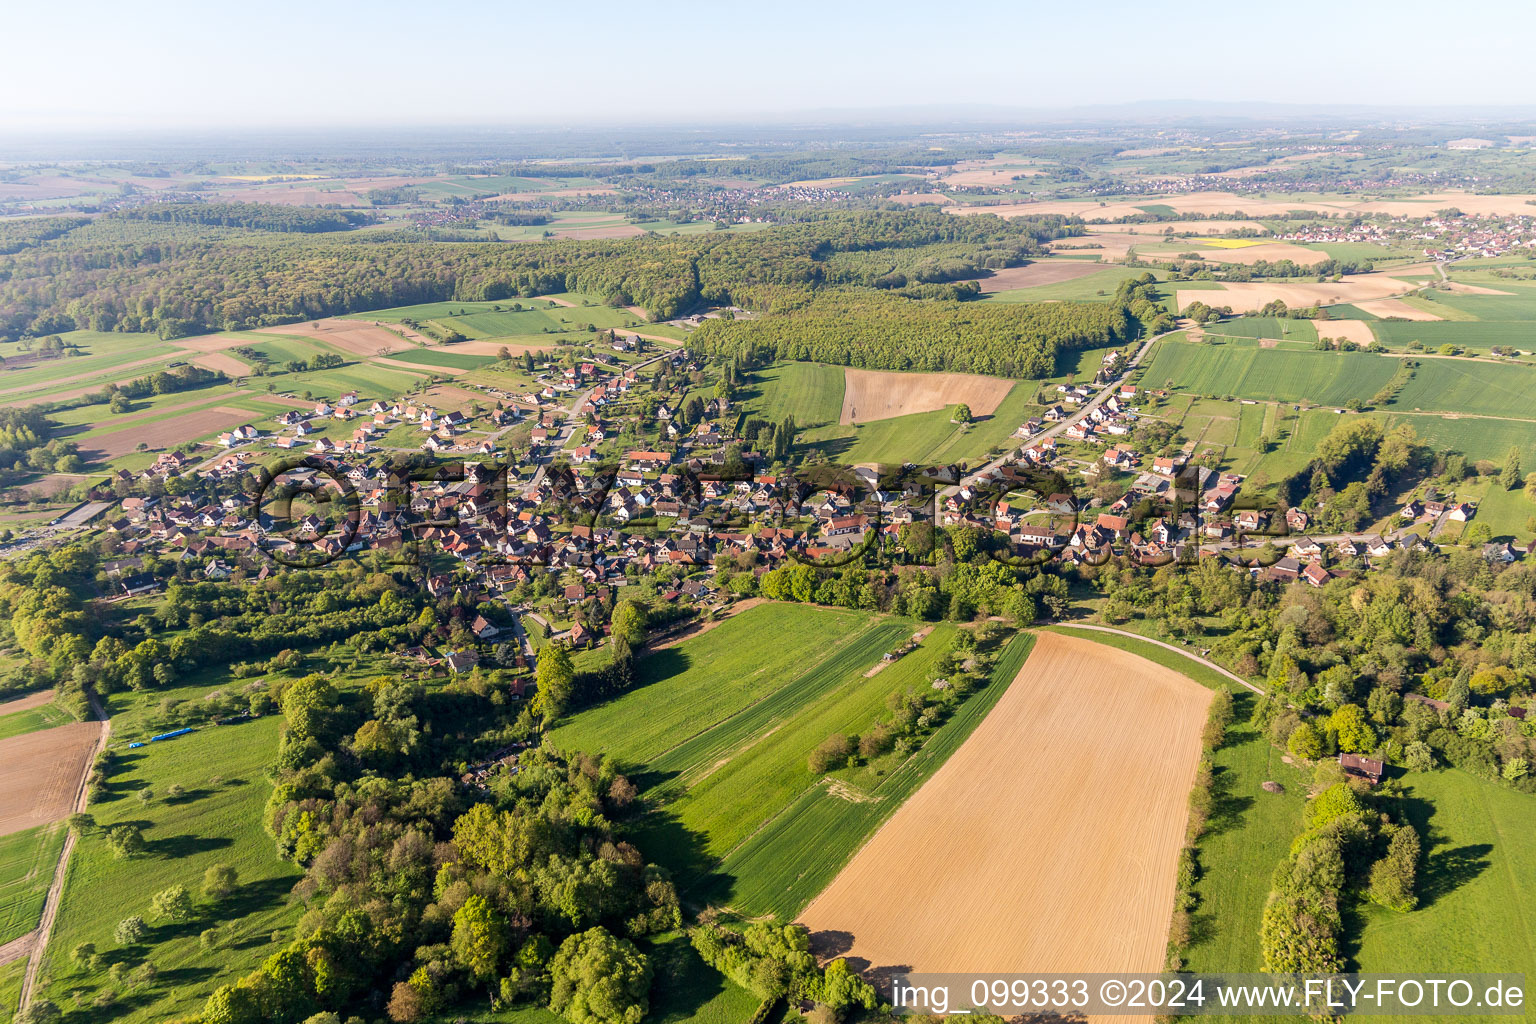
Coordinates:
<point>156,64</point>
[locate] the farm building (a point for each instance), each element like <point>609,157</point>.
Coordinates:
<point>1360,767</point>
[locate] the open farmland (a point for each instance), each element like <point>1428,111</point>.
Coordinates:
<point>159,433</point>
<point>810,393</point>
<point>1244,369</point>
<point>1065,809</point>
<point>1040,272</point>
<point>350,335</point>
<point>923,436</point>
<point>792,858</point>
<point>27,861</point>
<point>881,394</point>
<point>40,774</point>
<point>30,714</point>
<point>218,820</point>
<point>690,687</point>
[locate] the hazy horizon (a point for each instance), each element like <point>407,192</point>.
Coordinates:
<point>171,67</point>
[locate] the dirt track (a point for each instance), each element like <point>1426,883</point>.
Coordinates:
<point>881,394</point>
<point>40,774</point>
<point>1048,842</point>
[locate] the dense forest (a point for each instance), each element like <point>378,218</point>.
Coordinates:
<point>256,216</point>
<point>101,278</point>
<point>874,330</point>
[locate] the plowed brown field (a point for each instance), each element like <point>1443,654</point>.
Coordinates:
<point>881,394</point>
<point>40,774</point>
<point>1048,842</point>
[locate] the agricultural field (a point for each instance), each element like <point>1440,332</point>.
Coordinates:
<point>216,821</point>
<point>736,794</point>
<point>784,865</point>
<point>707,679</point>
<point>810,393</point>
<point>923,437</point>
<point>1245,369</point>
<point>40,774</point>
<point>437,357</point>
<point>870,395</point>
<point>1100,284</point>
<point>27,861</point>
<point>1477,885</point>
<point>44,715</point>
<point>1065,756</point>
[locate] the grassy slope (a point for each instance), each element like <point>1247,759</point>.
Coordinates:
<point>27,861</point>
<point>1477,883</point>
<point>926,436</point>
<point>689,688</point>
<point>213,823</point>
<point>11,976</point>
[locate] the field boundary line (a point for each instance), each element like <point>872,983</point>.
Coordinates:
<point>1166,646</point>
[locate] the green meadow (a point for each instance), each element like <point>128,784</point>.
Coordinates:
<point>216,820</point>
<point>719,731</point>
<point>1245,370</point>
<point>810,393</point>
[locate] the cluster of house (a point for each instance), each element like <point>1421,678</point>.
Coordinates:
<point>1115,416</point>
<point>1442,237</point>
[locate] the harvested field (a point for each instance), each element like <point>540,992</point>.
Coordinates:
<point>449,397</point>
<point>1037,273</point>
<point>1386,308</point>
<point>1357,331</point>
<point>1060,820</point>
<point>172,430</point>
<point>1112,245</point>
<point>881,394</point>
<point>222,363</point>
<point>421,368</point>
<point>358,337</point>
<point>1248,295</point>
<point>1272,252</point>
<point>40,774</point>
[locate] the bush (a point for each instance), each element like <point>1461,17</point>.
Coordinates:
<point>833,753</point>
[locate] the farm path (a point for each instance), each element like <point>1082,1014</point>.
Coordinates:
<point>51,900</point>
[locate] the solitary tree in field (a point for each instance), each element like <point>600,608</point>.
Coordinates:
<point>962,413</point>
<point>172,904</point>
